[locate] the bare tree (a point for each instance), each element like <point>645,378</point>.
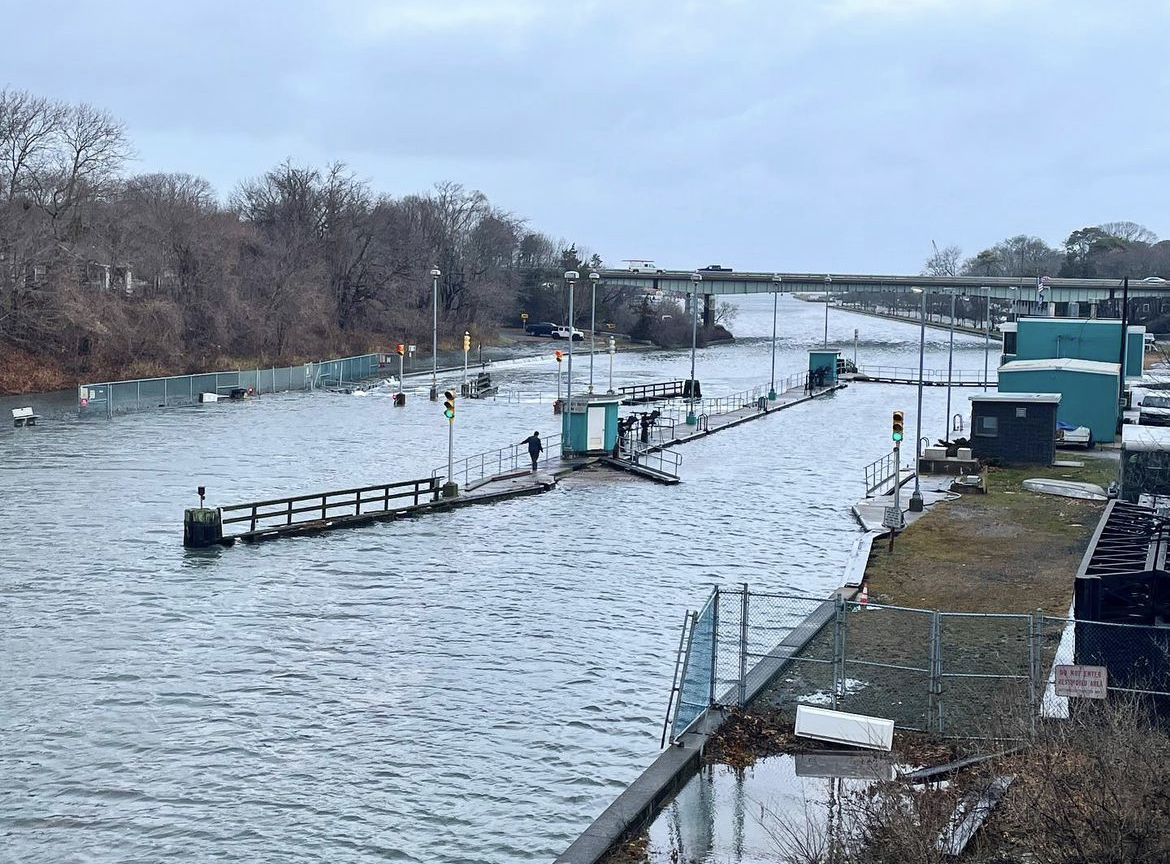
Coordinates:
<point>1130,232</point>
<point>944,262</point>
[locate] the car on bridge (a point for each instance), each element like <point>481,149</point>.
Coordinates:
<point>544,328</point>
<point>716,268</point>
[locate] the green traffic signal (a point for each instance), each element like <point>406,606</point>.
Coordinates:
<point>449,404</point>
<point>897,433</point>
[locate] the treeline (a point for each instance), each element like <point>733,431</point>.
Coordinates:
<point>107,274</point>
<point>1111,250</point>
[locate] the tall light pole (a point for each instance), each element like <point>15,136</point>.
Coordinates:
<point>776,280</point>
<point>612,349</point>
<point>435,274</point>
<point>986,330</point>
<point>696,278</point>
<point>828,285</point>
<point>593,277</point>
<point>950,366</point>
<point>571,276</point>
<point>916,495</point>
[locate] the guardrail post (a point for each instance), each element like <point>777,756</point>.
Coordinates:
<point>253,522</point>
<point>323,507</point>
<point>714,643</point>
<point>289,521</point>
<point>934,715</point>
<point>743,642</point>
<point>839,621</point>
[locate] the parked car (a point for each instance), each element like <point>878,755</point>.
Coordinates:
<point>563,333</point>
<point>1154,410</point>
<point>544,328</point>
<point>1068,435</point>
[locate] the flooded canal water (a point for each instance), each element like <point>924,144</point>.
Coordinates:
<point>473,686</point>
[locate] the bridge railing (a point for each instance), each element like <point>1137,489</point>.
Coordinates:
<point>910,373</point>
<point>283,513</point>
<point>490,463</point>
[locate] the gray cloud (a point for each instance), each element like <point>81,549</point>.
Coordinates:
<point>842,134</point>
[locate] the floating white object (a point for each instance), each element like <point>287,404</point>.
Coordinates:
<point>873,733</point>
<point>208,397</point>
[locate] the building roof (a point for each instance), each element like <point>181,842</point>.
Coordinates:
<point>1086,322</point>
<point>1016,397</point>
<point>1137,438</point>
<point>1061,364</point>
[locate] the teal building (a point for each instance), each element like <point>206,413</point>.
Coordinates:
<point>1088,390</point>
<point>1094,339</point>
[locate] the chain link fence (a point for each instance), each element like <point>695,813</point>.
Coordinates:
<point>952,673</point>
<point>118,397</point>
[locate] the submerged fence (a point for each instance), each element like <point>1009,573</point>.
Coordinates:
<point>952,673</point>
<point>139,394</point>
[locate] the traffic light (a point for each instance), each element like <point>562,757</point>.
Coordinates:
<point>466,341</point>
<point>400,349</point>
<point>898,427</point>
<point>559,355</point>
<point>449,404</point>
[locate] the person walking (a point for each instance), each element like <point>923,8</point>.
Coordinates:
<point>535,448</point>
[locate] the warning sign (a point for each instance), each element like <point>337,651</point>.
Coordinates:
<point>1088,682</point>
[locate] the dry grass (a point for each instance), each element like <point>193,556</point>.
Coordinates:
<point>1007,551</point>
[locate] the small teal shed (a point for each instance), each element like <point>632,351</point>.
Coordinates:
<point>826,360</point>
<point>1088,390</point>
<point>589,427</point>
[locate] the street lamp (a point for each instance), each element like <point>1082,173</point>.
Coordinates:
<point>571,276</point>
<point>696,278</point>
<point>950,366</point>
<point>435,274</point>
<point>986,330</point>
<point>593,277</point>
<point>612,349</point>
<point>776,280</point>
<point>828,285</point>
<point>916,495</point>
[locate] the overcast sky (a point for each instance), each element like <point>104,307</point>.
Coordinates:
<point>798,135</point>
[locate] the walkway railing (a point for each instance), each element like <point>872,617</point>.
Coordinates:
<point>470,469</point>
<point>880,474</point>
<point>301,510</point>
<point>653,457</point>
<point>909,375</point>
<point>652,392</point>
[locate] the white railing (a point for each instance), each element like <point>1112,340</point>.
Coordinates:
<point>910,373</point>
<point>491,463</point>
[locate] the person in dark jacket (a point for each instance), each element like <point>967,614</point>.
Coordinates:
<point>535,448</point>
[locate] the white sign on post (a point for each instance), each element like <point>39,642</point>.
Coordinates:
<point>1088,682</point>
<point>893,518</point>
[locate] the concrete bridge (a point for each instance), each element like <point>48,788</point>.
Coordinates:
<point>1086,293</point>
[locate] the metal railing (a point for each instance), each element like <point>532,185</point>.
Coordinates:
<point>938,675</point>
<point>880,474</point>
<point>300,510</point>
<point>909,374</point>
<point>491,463</point>
<point>656,458</point>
